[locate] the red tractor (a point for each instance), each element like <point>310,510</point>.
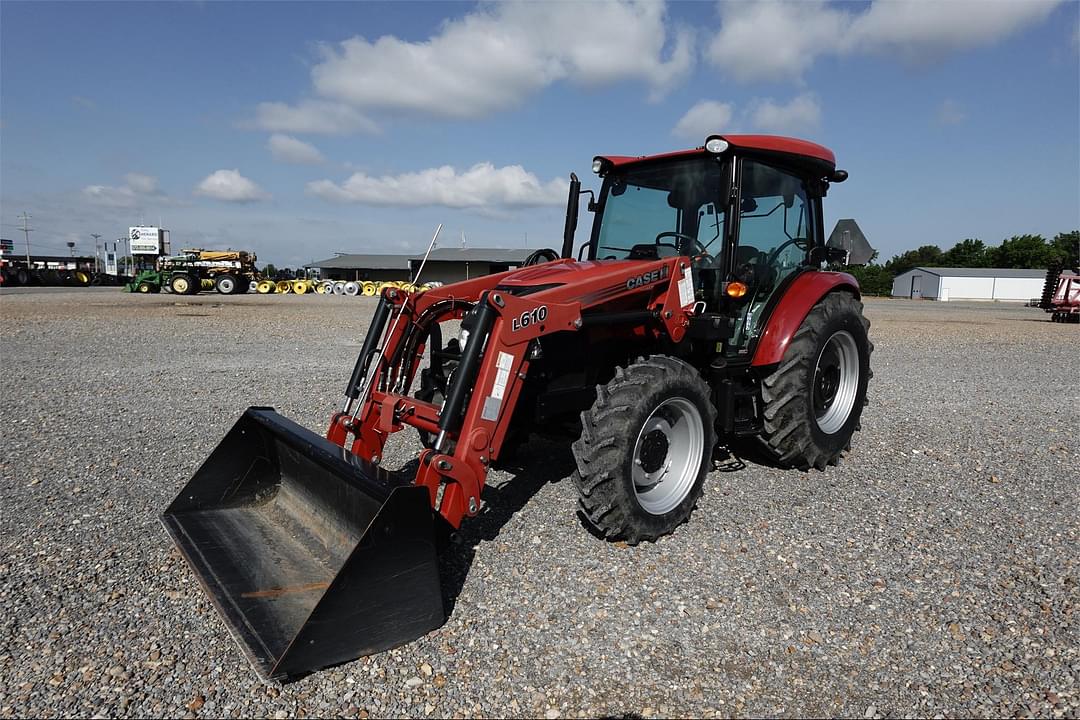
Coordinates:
<point>697,312</point>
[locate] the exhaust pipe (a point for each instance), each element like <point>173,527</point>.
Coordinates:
<point>311,555</point>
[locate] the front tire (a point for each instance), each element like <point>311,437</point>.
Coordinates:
<point>645,449</point>
<point>814,398</point>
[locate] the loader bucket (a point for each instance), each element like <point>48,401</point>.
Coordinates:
<point>311,555</point>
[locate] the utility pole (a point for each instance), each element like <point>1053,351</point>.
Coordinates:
<point>97,251</point>
<point>26,233</point>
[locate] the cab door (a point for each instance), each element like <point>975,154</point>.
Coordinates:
<point>772,240</point>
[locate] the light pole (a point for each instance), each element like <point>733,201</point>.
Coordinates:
<point>97,251</point>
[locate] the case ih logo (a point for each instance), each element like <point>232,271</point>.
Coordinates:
<point>647,278</point>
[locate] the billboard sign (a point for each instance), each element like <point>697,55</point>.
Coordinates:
<point>145,240</point>
<point>110,263</point>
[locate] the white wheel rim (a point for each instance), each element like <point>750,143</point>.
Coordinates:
<point>836,382</point>
<point>227,285</point>
<point>667,455</point>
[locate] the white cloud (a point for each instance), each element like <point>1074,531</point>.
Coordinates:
<point>230,186</point>
<point>290,150</point>
<point>781,40</point>
<point>801,113</point>
<point>110,196</point>
<point>482,186</point>
<point>145,184</point>
<point>916,28</point>
<point>703,119</point>
<point>312,116</point>
<point>137,187</point>
<point>772,41</point>
<point>490,60</point>
<point>950,113</point>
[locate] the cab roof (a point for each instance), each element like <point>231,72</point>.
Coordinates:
<point>798,150</point>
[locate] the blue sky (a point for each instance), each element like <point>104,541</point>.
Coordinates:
<point>298,130</point>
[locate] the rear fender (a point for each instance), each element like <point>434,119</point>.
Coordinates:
<point>800,297</point>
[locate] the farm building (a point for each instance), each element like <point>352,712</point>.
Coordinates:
<point>446,265</point>
<point>453,264</point>
<point>363,267</point>
<point>935,283</point>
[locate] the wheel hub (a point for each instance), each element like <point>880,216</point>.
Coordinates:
<point>667,455</point>
<point>654,450</point>
<point>836,382</point>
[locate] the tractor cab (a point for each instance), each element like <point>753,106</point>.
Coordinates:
<point>745,209</point>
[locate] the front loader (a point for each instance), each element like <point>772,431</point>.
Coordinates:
<point>697,313</point>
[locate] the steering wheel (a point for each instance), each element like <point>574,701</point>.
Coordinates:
<point>800,243</point>
<point>542,255</point>
<point>696,248</point>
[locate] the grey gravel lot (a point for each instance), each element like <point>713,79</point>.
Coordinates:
<point>934,572</point>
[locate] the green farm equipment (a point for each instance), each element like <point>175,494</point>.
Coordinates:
<point>230,272</point>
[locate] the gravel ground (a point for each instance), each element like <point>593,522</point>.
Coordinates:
<point>934,572</point>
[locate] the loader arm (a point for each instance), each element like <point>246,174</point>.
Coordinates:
<point>509,311</point>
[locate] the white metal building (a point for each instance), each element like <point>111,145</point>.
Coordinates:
<point>935,283</point>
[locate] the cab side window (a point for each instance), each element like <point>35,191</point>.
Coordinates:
<point>775,234</point>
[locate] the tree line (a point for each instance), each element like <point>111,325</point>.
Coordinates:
<point>1019,251</point>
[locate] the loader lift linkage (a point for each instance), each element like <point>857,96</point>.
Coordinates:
<point>701,313</point>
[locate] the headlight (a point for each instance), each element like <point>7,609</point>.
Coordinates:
<point>716,144</point>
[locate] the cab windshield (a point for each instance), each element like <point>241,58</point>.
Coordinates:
<point>660,209</point>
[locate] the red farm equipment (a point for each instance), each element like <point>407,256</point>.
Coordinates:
<point>697,312</point>
<point>1061,295</point>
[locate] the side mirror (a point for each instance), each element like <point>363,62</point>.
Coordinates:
<point>837,255</point>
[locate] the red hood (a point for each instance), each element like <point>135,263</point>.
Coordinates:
<point>564,271</point>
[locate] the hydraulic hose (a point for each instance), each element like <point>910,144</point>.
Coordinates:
<point>465,375</point>
<point>375,331</point>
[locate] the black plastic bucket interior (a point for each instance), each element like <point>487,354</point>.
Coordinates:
<point>311,555</point>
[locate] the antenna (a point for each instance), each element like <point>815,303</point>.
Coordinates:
<point>379,355</point>
<point>462,239</point>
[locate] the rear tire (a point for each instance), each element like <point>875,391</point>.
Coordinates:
<point>814,398</point>
<point>645,449</point>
